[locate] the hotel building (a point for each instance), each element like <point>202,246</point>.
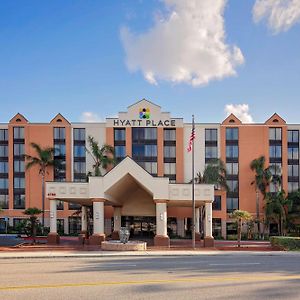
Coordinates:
<point>149,189</point>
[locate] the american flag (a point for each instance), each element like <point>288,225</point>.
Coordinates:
<point>192,137</point>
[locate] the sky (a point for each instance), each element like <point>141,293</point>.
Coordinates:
<point>88,60</point>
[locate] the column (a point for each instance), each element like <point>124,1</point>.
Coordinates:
<point>208,238</point>
<point>83,219</point>
<point>161,238</point>
<point>197,224</point>
<point>53,237</point>
<point>224,232</point>
<point>98,220</point>
<point>117,222</point>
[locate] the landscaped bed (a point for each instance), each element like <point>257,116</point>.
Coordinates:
<point>285,242</point>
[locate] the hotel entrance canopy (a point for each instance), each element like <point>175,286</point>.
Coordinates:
<point>131,191</point>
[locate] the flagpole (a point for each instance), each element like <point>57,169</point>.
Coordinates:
<point>193,189</point>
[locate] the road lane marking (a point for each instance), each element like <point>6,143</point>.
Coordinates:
<point>135,282</point>
<point>236,264</point>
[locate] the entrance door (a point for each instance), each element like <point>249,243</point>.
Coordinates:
<point>140,227</point>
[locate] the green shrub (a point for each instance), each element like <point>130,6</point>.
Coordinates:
<point>286,242</point>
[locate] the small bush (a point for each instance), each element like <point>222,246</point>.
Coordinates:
<point>285,242</point>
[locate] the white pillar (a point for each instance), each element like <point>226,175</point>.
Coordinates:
<point>98,217</point>
<point>53,217</point>
<point>83,218</point>
<point>197,219</point>
<point>208,219</point>
<point>117,218</point>
<point>161,219</point>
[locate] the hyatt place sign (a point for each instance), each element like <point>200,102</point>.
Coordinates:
<point>145,119</point>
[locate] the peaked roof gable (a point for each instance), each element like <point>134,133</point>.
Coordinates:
<point>275,119</point>
<point>143,101</point>
<point>59,119</point>
<point>18,119</point>
<point>231,120</point>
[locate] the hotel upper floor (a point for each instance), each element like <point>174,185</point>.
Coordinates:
<point>153,138</point>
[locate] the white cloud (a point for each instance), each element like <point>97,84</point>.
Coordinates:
<point>241,111</point>
<point>90,117</point>
<point>281,15</point>
<point>185,45</point>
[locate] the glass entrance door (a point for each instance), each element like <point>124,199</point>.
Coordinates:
<point>140,227</point>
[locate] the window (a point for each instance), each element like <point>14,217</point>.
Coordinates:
<point>19,201</point>
<point>169,168</point>
<point>74,225</point>
<point>19,149</point>
<point>139,134</point>
<point>232,204</point>
<point>60,150</point>
<point>19,166</point>
<point>275,134</point>
<point>151,150</point>
<point>79,151</point>
<point>19,183</point>
<point>170,134</point>
<point>275,151</point>
<point>120,151</point>
<point>3,167</point>
<point>3,135</point>
<point>79,134</point>
<point>232,151</point>
<point>59,133</point>
<point>3,183</point>
<point>74,206</point>
<point>293,136</point>
<point>79,167</point>
<point>232,168</point>
<point>120,134</point>
<point>18,132</point>
<point>217,203</point>
<point>231,228</point>
<point>217,227</point>
<point>150,167</point>
<point>211,152</point>
<point>275,168</point>
<point>293,186</point>
<point>3,151</point>
<point>59,205</point>
<point>170,151</point>
<point>211,135</point>
<point>4,201</point>
<point>293,153</point>
<point>293,170</point>
<point>233,186</point>
<point>232,134</point>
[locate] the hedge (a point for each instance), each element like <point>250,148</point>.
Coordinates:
<point>285,242</point>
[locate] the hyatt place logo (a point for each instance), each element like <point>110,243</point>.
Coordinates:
<point>144,113</point>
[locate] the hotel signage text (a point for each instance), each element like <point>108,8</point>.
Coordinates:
<point>144,123</point>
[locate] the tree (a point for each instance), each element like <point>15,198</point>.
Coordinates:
<point>214,173</point>
<point>33,212</point>
<point>103,157</point>
<point>276,208</point>
<point>240,216</point>
<point>263,177</point>
<point>44,160</point>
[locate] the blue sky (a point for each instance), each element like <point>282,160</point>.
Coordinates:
<point>69,57</point>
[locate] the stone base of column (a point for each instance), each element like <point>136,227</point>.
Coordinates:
<point>96,239</point>
<point>162,241</point>
<point>115,235</point>
<point>209,242</point>
<point>197,236</point>
<point>53,238</point>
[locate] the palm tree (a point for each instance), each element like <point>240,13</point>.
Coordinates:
<point>263,177</point>
<point>214,173</point>
<point>103,157</point>
<point>240,216</point>
<point>33,212</point>
<point>44,160</point>
<point>276,208</point>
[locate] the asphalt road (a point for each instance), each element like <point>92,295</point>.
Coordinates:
<point>185,277</point>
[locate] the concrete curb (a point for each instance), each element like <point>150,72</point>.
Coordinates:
<point>43,255</point>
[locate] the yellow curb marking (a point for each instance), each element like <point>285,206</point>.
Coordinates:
<point>190,280</point>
